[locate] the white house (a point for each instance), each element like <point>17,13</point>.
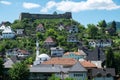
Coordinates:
<point>19,31</point>
<point>56,51</point>
<point>8,33</point>
<point>61,27</point>
<point>2,27</point>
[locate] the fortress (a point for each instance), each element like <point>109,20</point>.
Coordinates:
<point>67,15</point>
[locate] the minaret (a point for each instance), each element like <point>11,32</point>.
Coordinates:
<point>37,50</point>
<point>36,62</point>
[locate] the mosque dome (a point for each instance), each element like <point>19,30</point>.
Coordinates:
<point>43,57</point>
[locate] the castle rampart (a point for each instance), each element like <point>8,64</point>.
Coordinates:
<point>67,15</point>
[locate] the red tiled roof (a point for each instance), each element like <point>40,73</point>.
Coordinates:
<point>61,61</point>
<point>87,64</point>
<point>23,51</point>
<point>49,39</point>
<point>76,53</point>
<point>40,26</point>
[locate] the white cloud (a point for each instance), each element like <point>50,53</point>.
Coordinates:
<point>49,5</point>
<point>5,2</point>
<point>30,5</point>
<point>69,5</point>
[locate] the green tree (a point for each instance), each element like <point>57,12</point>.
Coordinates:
<point>69,78</point>
<point>92,30</point>
<point>53,77</point>
<point>117,61</point>
<point>102,24</point>
<point>1,67</point>
<point>110,58</point>
<point>113,25</point>
<point>19,71</point>
<point>39,35</point>
<point>51,32</point>
<point>29,60</point>
<point>17,24</point>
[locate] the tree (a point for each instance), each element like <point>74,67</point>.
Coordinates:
<point>117,61</point>
<point>51,32</point>
<point>1,68</point>
<point>19,71</point>
<point>113,25</point>
<point>69,78</point>
<point>102,24</point>
<point>110,58</point>
<point>92,30</point>
<point>53,77</point>
<point>39,35</point>
<point>29,60</point>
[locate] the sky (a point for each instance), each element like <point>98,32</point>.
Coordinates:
<point>83,11</point>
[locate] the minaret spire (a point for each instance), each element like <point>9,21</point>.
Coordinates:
<point>37,49</point>
<point>36,62</point>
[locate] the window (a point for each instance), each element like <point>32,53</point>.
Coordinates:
<point>108,75</point>
<point>99,75</point>
<point>78,75</point>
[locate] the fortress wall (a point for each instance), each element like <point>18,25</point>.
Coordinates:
<point>66,15</point>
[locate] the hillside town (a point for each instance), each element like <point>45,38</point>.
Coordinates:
<point>58,48</point>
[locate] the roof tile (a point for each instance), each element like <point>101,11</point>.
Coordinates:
<point>61,61</point>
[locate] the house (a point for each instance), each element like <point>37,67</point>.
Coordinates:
<point>9,62</point>
<point>96,56</point>
<point>101,43</point>
<point>2,27</point>
<point>103,74</point>
<point>89,66</point>
<point>19,31</point>
<point>73,29</point>
<point>72,38</point>
<point>75,55</point>
<point>66,62</point>
<point>8,33</point>
<point>44,71</point>
<point>78,72</point>
<point>110,30</point>
<point>49,42</point>
<point>40,28</point>
<point>21,54</point>
<point>61,27</point>
<point>56,51</point>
